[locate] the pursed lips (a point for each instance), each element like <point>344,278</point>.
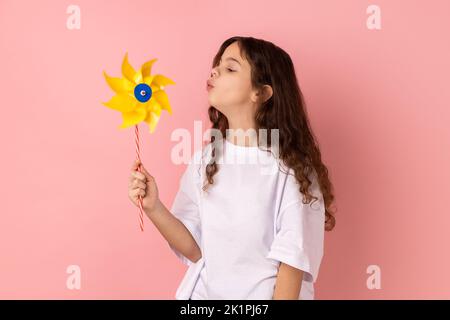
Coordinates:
<point>209,85</point>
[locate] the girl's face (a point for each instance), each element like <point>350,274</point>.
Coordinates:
<point>232,92</point>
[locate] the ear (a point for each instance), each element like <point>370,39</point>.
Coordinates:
<point>263,95</point>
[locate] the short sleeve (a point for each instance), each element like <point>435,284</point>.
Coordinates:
<point>185,206</point>
<point>299,237</point>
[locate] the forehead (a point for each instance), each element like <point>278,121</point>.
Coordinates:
<point>233,51</point>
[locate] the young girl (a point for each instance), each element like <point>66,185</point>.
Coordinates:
<point>248,230</point>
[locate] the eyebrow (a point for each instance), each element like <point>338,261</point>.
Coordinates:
<point>230,58</point>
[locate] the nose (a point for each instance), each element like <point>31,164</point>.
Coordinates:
<point>213,72</point>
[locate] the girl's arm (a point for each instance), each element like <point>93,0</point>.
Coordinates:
<point>289,283</point>
<point>174,231</point>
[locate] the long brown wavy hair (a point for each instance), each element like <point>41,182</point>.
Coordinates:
<point>285,111</point>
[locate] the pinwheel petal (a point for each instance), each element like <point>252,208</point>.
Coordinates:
<point>138,77</point>
<point>148,80</point>
<point>132,118</point>
<point>122,103</point>
<point>154,106</point>
<point>163,100</point>
<point>146,68</point>
<point>119,85</point>
<point>161,81</point>
<point>154,88</point>
<point>129,72</point>
<point>152,121</point>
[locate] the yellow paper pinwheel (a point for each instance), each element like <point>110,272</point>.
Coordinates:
<point>140,96</point>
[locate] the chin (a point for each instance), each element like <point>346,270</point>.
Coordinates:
<point>212,102</point>
<point>216,104</point>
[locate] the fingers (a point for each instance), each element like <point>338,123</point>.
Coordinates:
<point>144,175</point>
<point>138,192</point>
<point>138,184</point>
<point>139,175</point>
<point>138,181</point>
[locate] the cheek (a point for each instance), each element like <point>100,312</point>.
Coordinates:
<point>234,88</point>
<point>230,92</point>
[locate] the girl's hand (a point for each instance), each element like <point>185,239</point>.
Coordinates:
<point>142,183</point>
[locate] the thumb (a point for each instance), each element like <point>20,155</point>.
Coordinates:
<point>145,172</point>
<point>135,165</point>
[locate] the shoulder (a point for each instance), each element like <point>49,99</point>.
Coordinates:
<point>291,190</point>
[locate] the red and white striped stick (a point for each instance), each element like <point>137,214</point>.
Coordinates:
<point>138,156</point>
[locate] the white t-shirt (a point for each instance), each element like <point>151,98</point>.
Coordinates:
<point>246,223</point>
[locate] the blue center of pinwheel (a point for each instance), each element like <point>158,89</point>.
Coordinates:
<point>143,92</point>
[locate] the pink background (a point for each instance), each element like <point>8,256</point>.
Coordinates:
<point>377,99</point>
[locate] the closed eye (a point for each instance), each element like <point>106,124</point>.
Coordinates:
<point>229,69</point>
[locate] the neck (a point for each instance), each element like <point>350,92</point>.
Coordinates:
<point>242,132</point>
